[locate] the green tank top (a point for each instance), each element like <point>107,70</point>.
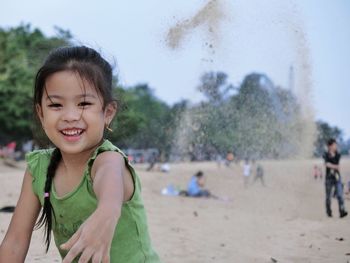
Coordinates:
<point>131,241</point>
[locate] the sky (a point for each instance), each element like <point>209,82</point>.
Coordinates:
<point>251,36</point>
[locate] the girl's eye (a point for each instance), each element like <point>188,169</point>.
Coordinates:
<point>84,104</point>
<point>54,105</point>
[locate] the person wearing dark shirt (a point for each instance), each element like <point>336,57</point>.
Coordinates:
<point>333,178</point>
<point>259,174</point>
<point>152,161</point>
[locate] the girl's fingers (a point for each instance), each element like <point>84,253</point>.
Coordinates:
<point>85,256</point>
<point>97,258</point>
<point>106,258</point>
<point>76,249</point>
<point>71,241</point>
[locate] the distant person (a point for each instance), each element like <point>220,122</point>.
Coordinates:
<point>219,160</point>
<point>317,172</point>
<point>347,187</point>
<point>152,160</point>
<point>196,186</point>
<point>259,174</point>
<point>165,167</point>
<point>10,150</point>
<point>2,151</point>
<point>229,159</point>
<point>27,146</point>
<point>131,158</point>
<point>333,178</point>
<point>246,172</point>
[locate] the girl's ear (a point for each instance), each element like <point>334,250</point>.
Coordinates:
<point>110,111</point>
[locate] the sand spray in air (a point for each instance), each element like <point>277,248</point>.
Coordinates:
<point>303,83</point>
<point>210,18</point>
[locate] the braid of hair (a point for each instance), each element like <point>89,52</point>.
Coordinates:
<point>47,211</point>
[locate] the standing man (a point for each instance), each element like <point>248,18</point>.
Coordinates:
<point>333,178</point>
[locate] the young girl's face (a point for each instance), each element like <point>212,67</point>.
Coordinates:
<point>71,113</point>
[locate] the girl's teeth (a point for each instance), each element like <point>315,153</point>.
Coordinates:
<point>72,133</point>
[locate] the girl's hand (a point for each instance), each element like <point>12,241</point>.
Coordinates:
<point>93,239</point>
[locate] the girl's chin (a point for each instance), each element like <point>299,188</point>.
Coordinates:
<point>76,148</point>
<point>72,138</point>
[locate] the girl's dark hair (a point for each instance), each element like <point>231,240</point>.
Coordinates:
<point>47,212</point>
<point>84,61</point>
<point>91,67</point>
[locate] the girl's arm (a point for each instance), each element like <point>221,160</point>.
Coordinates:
<point>113,185</point>
<point>15,245</point>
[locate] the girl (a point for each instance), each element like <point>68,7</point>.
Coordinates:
<point>89,192</point>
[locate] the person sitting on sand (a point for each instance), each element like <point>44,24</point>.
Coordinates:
<point>196,184</point>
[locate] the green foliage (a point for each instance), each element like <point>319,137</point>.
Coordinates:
<point>143,120</point>
<point>214,86</point>
<point>259,120</point>
<point>22,50</point>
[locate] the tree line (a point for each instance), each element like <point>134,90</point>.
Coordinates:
<point>256,119</point>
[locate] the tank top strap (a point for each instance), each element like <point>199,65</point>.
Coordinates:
<point>37,164</point>
<point>108,146</point>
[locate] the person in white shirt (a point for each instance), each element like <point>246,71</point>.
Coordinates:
<point>246,172</point>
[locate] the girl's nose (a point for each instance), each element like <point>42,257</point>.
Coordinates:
<point>71,113</point>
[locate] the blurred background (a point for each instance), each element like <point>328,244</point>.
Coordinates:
<point>203,85</point>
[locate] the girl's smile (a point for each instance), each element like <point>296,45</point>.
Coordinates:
<point>72,134</point>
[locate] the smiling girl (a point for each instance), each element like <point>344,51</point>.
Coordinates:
<point>89,194</point>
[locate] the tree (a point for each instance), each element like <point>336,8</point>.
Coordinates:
<point>259,120</point>
<point>214,86</point>
<point>22,50</point>
<point>143,120</point>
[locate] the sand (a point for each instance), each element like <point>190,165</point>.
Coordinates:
<point>284,221</point>
<point>210,16</point>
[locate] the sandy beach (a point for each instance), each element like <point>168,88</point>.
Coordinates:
<point>282,222</point>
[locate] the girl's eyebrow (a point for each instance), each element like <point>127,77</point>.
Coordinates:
<point>50,97</point>
<point>87,95</point>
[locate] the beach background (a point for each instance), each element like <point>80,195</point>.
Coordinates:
<point>197,80</point>
<point>282,222</point>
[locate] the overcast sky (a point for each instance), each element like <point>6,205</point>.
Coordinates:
<point>254,36</point>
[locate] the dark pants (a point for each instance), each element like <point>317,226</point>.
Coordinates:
<point>202,193</point>
<point>331,183</point>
